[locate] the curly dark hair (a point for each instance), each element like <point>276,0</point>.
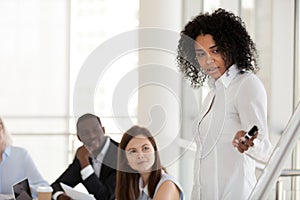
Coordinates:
<point>232,40</point>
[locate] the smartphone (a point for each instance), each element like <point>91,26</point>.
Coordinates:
<point>251,132</point>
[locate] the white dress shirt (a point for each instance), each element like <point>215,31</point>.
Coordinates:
<point>97,162</point>
<point>238,101</point>
<point>90,169</point>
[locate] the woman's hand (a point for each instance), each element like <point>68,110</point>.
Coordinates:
<point>242,144</point>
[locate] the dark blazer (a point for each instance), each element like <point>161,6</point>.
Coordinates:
<point>103,187</point>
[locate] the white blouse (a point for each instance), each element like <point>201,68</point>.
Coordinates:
<point>238,101</point>
<point>144,195</point>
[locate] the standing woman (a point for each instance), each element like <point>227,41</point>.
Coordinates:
<point>140,175</point>
<point>216,49</point>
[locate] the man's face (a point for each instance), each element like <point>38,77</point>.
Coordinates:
<point>91,134</point>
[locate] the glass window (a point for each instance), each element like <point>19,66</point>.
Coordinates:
<point>94,23</point>
<point>43,47</point>
<point>34,88</point>
<point>248,15</point>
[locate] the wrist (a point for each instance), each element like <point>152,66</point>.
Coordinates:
<point>84,163</point>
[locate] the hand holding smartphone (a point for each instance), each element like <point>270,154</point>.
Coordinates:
<point>240,139</point>
<point>250,134</point>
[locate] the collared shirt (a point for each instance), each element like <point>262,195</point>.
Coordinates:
<point>90,169</point>
<point>144,195</point>
<point>240,101</point>
<point>225,79</point>
<point>15,166</point>
<point>97,162</point>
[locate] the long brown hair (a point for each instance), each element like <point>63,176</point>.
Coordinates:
<point>128,178</point>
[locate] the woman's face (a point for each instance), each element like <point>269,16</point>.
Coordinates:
<point>140,154</point>
<point>209,57</point>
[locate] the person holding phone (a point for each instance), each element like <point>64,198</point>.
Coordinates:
<point>216,50</point>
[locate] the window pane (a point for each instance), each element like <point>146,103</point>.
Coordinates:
<point>92,24</point>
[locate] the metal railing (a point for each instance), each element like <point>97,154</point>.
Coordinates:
<point>279,183</point>
<point>283,149</point>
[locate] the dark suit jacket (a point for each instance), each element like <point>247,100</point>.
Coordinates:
<point>103,187</point>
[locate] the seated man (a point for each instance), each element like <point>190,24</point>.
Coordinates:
<point>94,164</point>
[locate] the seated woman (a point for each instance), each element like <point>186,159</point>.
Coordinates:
<point>16,165</point>
<point>140,174</point>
